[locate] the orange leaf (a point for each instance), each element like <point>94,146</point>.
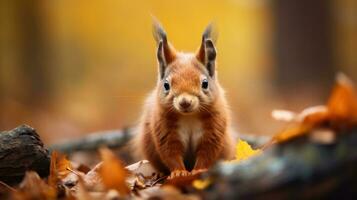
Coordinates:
<point>341,109</point>
<point>33,187</point>
<point>314,115</point>
<point>342,104</point>
<point>58,168</point>
<point>288,134</point>
<point>112,172</point>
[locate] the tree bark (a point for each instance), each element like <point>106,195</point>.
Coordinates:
<point>298,169</point>
<point>21,150</point>
<point>92,142</point>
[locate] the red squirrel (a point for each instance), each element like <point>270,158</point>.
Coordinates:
<point>185,126</point>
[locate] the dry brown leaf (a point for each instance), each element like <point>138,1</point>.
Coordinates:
<point>33,187</point>
<point>143,168</point>
<point>143,175</point>
<point>112,172</point>
<point>311,115</point>
<point>166,192</point>
<point>306,120</point>
<point>81,192</point>
<point>92,179</point>
<point>341,110</point>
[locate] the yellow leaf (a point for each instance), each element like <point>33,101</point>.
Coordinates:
<point>245,151</point>
<point>201,184</point>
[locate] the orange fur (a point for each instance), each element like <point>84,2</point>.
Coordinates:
<point>173,140</point>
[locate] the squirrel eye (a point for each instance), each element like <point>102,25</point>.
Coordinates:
<point>205,84</point>
<point>166,85</point>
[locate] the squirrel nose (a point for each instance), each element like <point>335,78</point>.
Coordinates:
<point>185,104</point>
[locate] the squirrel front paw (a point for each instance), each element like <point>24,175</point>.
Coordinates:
<point>178,173</point>
<point>198,171</point>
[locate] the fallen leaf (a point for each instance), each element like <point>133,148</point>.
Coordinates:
<point>201,184</point>
<point>81,192</point>
<point>33,187</point>
<point>92,179</point>
<point>143,168</point>
<point>142,175</point>
<point>287,134</point>
<point>58,168</point>
<point>167,192</point>
<point>342,104</point>
<point>311,115</point>
<point>245,151</point>
<point>340,111</point>
<point>112,172</point>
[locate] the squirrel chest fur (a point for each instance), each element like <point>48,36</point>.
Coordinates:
<point>185,123</point>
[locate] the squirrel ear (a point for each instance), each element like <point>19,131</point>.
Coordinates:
<point>165,52</point>
<point>207,51</point>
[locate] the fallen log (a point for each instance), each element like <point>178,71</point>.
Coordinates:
<point>118,138</point>
<point>93,141</point>
<point>298,169</point>
<point>21,150</point>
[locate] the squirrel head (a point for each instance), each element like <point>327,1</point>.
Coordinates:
<point>187,82</point>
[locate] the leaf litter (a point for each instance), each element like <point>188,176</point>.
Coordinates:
<point>110,179</point>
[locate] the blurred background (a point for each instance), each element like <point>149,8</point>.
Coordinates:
<point>68,67</point>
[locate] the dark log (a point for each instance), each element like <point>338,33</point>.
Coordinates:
<point>21,150</point>
<point>300,168</point>
<point>119,138</point>
<point>110,139</point>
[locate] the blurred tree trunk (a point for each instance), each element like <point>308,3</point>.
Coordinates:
<point>303,44</point>
<point>344,21</point>
<point>25,73</point>
<point>34,51</point>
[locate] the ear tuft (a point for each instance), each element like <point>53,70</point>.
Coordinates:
<point>207,51</point>
<point>165,51</point>
<point>158,31</point>
<point>210,33</point>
